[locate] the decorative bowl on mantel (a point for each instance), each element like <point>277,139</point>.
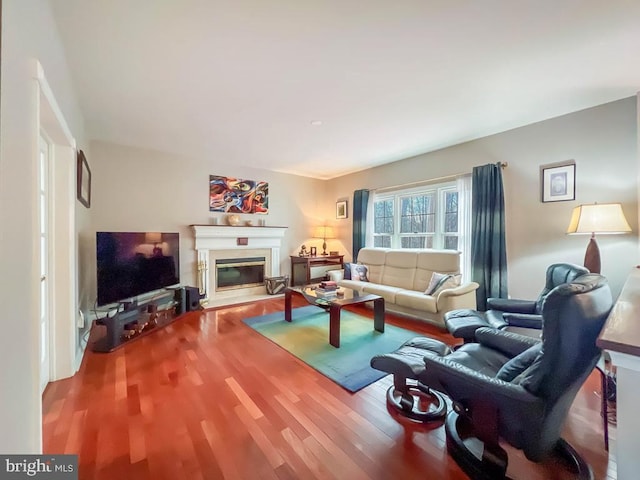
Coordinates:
<point>233,220</point>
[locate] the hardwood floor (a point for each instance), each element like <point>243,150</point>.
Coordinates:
<point>209,398</point>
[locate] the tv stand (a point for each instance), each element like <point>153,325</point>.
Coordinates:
<point>129,305</point>
<point>134,320</point>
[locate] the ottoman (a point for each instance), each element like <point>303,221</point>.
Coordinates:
<point>407,395</point>
<point>463,323</point>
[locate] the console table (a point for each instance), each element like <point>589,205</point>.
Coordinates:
<point>304,270</point>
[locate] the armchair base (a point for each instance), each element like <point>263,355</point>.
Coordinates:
<point>481,461</point>
<point>417,402</point>
<point>408,396</point>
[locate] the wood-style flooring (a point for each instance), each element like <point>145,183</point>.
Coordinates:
<point>209,398</point>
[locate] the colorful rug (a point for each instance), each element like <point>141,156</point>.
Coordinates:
<point>307,337</point>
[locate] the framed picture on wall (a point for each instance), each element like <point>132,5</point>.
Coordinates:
<point>341,209</point>
<point>558,181</point>
<point>83,180</point>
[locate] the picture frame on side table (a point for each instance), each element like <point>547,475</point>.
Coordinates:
<point>558,181</point>
<point>83,180</point>
<point>341,209</point>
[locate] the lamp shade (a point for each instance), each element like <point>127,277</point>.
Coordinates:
<point>324,232</point>
<point>598,218</point>
<point>152,237</point>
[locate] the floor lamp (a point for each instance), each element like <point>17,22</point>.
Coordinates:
<point>601,218</point>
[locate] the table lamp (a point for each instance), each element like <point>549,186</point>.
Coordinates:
<point>155,239</point>
<point>601,218</point>
<point>324,232</point>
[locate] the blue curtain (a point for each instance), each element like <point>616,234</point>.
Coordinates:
<point>360,202</point>
<point>488,243</point>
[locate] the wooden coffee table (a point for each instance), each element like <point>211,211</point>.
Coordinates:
<point>334,306</point>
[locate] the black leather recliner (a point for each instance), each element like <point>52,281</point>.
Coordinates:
<point>514,388</point>
<point>520,316</point>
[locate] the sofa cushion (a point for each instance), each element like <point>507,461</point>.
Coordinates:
<point>416,300</point>
<point>385,291</point>
<point>400,268</point>
<point>352,284</point>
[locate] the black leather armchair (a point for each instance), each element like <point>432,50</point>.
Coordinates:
<point>504,312</point>
<point>511,387</point>
<point>515,315</point>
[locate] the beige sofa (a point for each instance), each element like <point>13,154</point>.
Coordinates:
<point>401,277</point>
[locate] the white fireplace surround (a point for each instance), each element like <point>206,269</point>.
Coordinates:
<point>221,241</point>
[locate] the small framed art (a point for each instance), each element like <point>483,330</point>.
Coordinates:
<point>83,180</point>
<point>341,209</point>
<point>558,181</point>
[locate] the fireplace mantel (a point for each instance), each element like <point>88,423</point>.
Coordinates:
<point>218,237</point>
<point>223,238</point>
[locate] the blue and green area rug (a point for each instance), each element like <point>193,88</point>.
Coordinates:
<point>307,337</point>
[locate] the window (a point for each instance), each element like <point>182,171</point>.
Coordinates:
<point>383,223</point>
<point>425,217</point>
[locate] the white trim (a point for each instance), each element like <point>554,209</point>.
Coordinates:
<point>45,191</point>
<point>62,238</point>
<point>630,362</point>
<point>212,238</point>
<point>438,191</point>
<point>45,89</point>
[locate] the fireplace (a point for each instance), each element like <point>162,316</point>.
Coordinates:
<point>233,273</point>
<point>223,246</point>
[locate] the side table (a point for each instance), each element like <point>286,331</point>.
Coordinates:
<point>301,268</point>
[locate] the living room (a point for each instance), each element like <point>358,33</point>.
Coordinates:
<point>167,191</point>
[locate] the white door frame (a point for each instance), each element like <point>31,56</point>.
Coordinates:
<point>44,190</point>
<point>63,307</point>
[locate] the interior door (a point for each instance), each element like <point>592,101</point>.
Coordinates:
<point>43,213</point>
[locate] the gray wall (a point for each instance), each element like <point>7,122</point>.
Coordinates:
<point>603,142</point>
<point>143,190</point>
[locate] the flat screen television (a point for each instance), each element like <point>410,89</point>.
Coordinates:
<point>134,263</point>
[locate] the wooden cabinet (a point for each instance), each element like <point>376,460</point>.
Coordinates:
<point>306,270</point>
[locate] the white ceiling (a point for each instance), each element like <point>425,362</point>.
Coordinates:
<point>240,81</point>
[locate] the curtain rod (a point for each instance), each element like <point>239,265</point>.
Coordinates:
<point>430,181</point>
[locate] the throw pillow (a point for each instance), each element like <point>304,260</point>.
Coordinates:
<point>452,281</point>
<point>441,281</point>
<point>433,283</point>
<point>359,272</point>
<point>355,271</point>
<point>347,271</point>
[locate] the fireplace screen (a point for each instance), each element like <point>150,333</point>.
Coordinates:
<point>232,273</point>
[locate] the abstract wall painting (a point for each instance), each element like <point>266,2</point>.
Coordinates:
<point>234,195</point>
